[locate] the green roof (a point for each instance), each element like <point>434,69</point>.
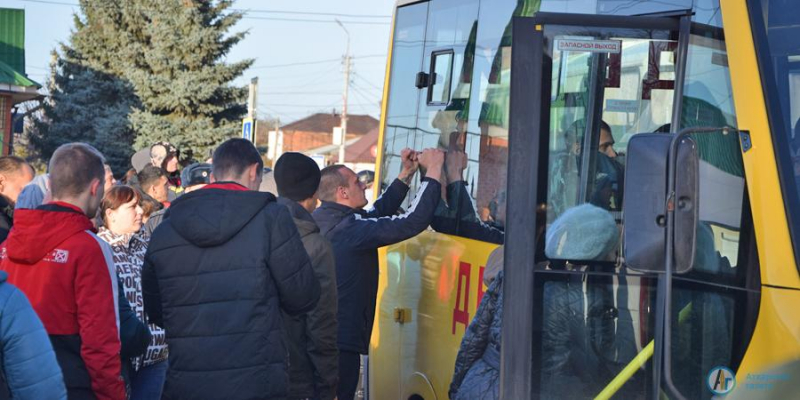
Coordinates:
<point>12,38</point>
<point>11,76</point>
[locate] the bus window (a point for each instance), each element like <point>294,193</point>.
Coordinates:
<point>476,195</point>
<point>598,101</point>
<point>401,115</point>
<point>778,46</point>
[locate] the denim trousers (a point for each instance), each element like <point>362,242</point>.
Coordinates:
<point>148,382</point>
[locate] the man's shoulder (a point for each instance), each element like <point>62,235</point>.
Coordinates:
<point>86,243</point>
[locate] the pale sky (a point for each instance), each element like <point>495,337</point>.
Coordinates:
<point>280,34</point>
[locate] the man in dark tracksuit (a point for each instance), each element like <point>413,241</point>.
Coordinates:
<point>313,351</point>
<point>218,271</point>
<point>356,236</point>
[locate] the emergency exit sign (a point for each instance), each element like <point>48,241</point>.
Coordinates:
<point>591,46</point>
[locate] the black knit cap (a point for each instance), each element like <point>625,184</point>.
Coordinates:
<point>297,176</point>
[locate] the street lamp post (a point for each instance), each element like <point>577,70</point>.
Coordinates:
<point>344,95</point>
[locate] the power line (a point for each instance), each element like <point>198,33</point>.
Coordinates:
<point>296,64</point>
<point>315,13</point>
<point>268,93</point>
<point>243,11</point>
<point>323,21</point>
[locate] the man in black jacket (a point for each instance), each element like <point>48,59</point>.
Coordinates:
<point>218,271</point>
<point>313,352</point>
<point>356,236</point>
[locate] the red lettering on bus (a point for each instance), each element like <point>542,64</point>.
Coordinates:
<point>480,286</point>
<point>461,315</point>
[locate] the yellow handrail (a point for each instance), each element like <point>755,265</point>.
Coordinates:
<point>633,366</point>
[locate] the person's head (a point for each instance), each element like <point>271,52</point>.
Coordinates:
<point>339,184</point>
<point>195,176</point>
<point>130,177</point>
<point>237,160</point>
<point>606,143</point>
<point>149,206</point>
<point>77,176</point>
<point>121,211</point>
<point>164,155</point>
<point>153,181</point>
<point>109,177</point>
<point>297,177</point>
<point>15,173</point>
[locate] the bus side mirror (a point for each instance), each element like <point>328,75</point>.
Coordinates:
<point>646,201</point>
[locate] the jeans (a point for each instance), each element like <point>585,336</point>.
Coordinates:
<point>349,368</point>
<point>148,382</point>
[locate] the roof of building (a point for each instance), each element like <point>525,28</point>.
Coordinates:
<point>324,123</point>
<point>362,151</point>
<point>357,150</point>
<point>12,55</point>
<point>12,38</point>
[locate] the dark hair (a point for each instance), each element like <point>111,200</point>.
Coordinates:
<point>605,126</point>
<point>233,157</point>
<point>331,179</point>
<point>10,165</point>
<point>116,197</point>
<point>73,167</point>
<point>149,205</point>
<point>149,176</point>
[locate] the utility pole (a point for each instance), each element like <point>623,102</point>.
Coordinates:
<point>344,95</point>
<point>252,100</point>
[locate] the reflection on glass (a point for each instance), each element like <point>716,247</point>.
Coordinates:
<point>442,78</point>
<point>782,52</point>
<point>401,113</point>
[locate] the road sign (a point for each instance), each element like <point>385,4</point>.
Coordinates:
<point>248,127</point>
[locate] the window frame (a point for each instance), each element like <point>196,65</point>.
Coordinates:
<point>430,101</point>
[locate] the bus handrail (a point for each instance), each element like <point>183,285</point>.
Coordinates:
<point>633,366</point>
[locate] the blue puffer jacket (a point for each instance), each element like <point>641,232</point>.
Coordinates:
<point>28,360</point>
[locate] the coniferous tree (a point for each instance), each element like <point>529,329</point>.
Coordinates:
<point>141,71</point>
<point>87,101</point>
<point>182,80</point>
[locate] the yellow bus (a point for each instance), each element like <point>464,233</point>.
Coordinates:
<point>701,176</point>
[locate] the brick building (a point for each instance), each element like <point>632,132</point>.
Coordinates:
<point>317,130</point>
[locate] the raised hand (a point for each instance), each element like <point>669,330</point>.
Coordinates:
<point>410,163</point>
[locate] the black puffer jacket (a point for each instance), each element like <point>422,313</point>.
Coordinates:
<point>217,273</point>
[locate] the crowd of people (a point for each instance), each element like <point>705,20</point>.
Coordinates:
<point>192,283</point>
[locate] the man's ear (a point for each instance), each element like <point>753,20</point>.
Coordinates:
<point>252,172</point>
<point>2,182</point>
<point>95,186</point>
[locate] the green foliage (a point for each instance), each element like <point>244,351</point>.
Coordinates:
<point>160,65</point>
<point>86,105</point>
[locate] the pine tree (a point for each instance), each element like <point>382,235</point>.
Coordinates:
<point>141,71</point>
<point>87,102</point>
<point>184,84</point>
<point>85,105</point>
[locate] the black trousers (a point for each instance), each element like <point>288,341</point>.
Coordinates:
<point>349,366</point>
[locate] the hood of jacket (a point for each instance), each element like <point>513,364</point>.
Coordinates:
<point>302,218</point>
<point>330,214</point>
<point>210,217</point>
<point>37,232</point>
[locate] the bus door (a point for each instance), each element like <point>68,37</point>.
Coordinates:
<point>401,127</point>
<point>596,105</point>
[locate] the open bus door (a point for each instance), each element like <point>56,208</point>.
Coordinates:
<point>674,318</point>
